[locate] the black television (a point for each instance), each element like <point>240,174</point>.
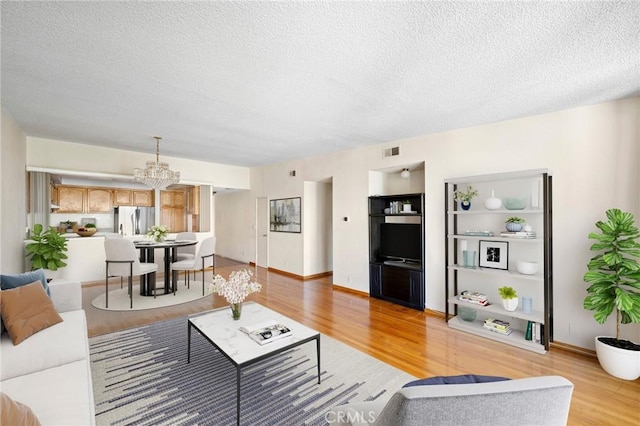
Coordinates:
<point>401,241</point>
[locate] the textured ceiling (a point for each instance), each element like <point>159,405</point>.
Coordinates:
<point>251,83</point>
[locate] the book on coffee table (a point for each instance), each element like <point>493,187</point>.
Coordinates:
<point>267,331</point>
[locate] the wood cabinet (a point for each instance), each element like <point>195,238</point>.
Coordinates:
<point>142,198</point>
<point>194,200</point>
<point>71,199</point>
<point>172,210</point>
<point>396,249</point>
<point>121,197</point>
<point>98,200</point>
<point>479,229</point>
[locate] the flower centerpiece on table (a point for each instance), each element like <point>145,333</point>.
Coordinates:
<point>158,233</point>
<point>235,289</point>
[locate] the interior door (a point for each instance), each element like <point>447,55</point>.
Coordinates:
<point>262,233</point>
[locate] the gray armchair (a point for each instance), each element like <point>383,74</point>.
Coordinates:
<point>536,401</point>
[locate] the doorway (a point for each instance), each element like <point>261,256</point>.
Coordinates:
<point>262,232</point>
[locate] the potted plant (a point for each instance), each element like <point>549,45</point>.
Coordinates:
<point>406,206</point>
<point>514,224</point>
<point>614,278</point>
<point>465,197</point>
<point>47,249</point>
<point>509,298</point>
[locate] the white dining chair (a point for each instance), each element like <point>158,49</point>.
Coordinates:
<point>122,261</point>
<point>203,259</point>
<point>114,235</point>
<point>186,252</point>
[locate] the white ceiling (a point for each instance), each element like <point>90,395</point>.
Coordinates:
<point>251,83</point>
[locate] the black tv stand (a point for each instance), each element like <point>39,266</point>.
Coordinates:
<point>396,279</point>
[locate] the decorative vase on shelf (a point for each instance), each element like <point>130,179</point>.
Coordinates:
<point>236,310</point>
<point>466,205</point>
<point>493,203</point>
<point>513,227</point>
<point>510,304</point>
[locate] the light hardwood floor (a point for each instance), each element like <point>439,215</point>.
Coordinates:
<point>416,342</point>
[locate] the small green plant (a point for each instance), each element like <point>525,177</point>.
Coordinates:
<point>507,292</point>
<point>614,273</point>
<point>90,225</point>
<point>465,196</point>
<point>515,219</point>
<point>47,250</point>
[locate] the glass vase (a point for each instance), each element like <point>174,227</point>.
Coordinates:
<point>236,310</point>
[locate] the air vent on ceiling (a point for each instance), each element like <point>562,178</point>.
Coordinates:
<point>391,152</point>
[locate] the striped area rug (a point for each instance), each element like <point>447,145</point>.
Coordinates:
<point>141,377</point>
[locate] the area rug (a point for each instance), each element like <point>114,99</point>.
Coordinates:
<point>141,377</point>
<point>119,299</point>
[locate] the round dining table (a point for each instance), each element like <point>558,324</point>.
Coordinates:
<point>147,250</point>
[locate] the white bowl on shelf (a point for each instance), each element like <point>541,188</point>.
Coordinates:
<point>526,267</point>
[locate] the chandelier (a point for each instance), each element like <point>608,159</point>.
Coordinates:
<point>157,173</point>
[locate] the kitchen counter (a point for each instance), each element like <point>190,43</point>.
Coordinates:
<point>86,257</point>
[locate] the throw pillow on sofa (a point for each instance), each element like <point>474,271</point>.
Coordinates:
<point>15,413</point>
<point>27,310</point>
<point>8,281</point>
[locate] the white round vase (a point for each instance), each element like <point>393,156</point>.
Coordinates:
<point>493,203</point>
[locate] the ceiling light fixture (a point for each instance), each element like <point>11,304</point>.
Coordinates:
<point>405,173</point>
<point>157,173</point>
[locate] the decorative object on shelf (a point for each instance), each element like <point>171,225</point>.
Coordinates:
<point>465,197</point>
<point>406,206</point>
<point>468,256</point>
<point>515,203</point>
<point>492,203</point>
<point>235,289</point>
<point>527,305</point>
<point>405,173</point>
<point>494,254</point>
<point>614,283</point>
<point>526,267</point>
<point>467,314</point>
<point>156,174</point>
<point>47,251</point>
<point>509,298</point>
<point>158,233</point>
<point>478,233</point>
<point>514,224</point>
<point>528,228</point>
<point>87,230</point>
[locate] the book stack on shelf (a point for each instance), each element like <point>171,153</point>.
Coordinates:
<point>474,297</point>
<point>497,326</point>
<point>534,332</point>
<point>519,234</point>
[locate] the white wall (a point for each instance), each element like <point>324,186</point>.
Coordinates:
<point>317,228</point>
<point>13,202</point>
<point>593,152</point>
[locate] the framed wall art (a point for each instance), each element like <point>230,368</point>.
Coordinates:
<point>494,254</point>
<point>284,215</point>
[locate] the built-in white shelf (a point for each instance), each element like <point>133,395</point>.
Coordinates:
<point>500,272</point>
<point>496,308</point>
<point>516,338</point>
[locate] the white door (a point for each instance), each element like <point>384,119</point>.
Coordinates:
<point>262,232</point>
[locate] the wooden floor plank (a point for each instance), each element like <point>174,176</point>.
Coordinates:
<point>416,342</point>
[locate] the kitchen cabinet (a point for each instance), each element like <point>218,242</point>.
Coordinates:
<point>194,200</point>
<point>468,231</point>
<point>172,210</point>
<point>121,197</point>
<point>71,199</point>
<point>98,200</point>
<point>142,198</point>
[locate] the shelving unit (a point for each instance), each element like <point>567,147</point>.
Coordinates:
<point>394,278</point>
<point>536,186</point>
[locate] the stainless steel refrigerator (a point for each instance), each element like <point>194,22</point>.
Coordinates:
<point>133,220</point>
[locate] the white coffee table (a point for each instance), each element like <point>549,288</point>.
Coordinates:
<point>223,332</point>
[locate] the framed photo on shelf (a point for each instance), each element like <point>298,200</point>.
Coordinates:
<point>494,254</point>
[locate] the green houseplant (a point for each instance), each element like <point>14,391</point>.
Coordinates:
<point>509,298</point>
<point>514,223</point>
<point>47,249</point>
<point>614,284</point>
<point>465,197</point>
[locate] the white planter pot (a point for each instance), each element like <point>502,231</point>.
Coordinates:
<point>510,304</point>
<point>620,363</point>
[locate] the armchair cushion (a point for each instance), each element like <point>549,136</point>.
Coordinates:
<point>8,281</point>
<point>455,380</point>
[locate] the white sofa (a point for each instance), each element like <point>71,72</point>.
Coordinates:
<point>50,371</point>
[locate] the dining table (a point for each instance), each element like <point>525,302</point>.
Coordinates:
<point>147,250</point>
